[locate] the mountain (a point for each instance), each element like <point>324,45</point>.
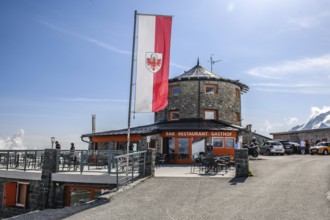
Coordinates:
<point>317,121</point>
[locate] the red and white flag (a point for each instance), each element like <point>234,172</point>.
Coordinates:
<point>153,57</point>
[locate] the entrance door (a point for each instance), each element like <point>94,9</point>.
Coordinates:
<point>178,150</point>
<point>183,151</point>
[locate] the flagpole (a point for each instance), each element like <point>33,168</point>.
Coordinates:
<point>130,95</point>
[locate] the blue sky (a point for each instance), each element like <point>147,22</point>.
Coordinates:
<point>62,61</point>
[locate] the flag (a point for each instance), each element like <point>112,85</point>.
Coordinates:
<point>152,68</point>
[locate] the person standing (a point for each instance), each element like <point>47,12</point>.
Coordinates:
<point>72,154</point>
<point>57,145</point>
<point>72,148</point>
<point>238,144</point>
<point>209,149</point>
<point>302,147</point>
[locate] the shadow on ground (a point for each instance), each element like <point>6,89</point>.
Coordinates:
<point>236,180</point>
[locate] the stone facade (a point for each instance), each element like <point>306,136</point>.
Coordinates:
<point>192,100</point>
<point>40,194</point>
<point>312,136</point>
<point>34,202</point>
<point>248,136</point>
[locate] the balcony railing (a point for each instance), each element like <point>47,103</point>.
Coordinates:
<point>21,159</point>
<point>109,161</point>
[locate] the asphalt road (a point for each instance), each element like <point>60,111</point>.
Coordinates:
<point>283,187</point>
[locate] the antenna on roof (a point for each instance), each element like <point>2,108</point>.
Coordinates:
<point>213,62</point>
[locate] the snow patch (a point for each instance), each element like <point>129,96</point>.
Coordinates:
<point>319,118</point>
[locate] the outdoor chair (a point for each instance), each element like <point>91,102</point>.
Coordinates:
<point>197,163</point>
<point>160,159</point>
<point>221,164</point>
<point>69,162</point>
<point>210,165</point>
<point>172,157</point>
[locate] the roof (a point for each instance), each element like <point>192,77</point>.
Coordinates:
<point>197,72</point>
<point>201,73</point>
<point>179,125</point>
<point>302,131</point>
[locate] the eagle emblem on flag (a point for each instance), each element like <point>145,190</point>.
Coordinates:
<point>154,61</point>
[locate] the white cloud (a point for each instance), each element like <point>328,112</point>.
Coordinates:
<point>41,142</point>
<point>89,39</point>
<point>105,45</point>
<point>291,121</point>
<point>302,76</point>
<point>291,85</point>
<point>13,143</point>
<point>269,126</point>
<point>308,22</point>
<point>301,88</point>
<point>315,65</point>
<point>82,99</point>
<point>316,110</point>
<point>179,66</point>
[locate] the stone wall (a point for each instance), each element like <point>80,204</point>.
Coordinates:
<point>190,105</point>
<point>242,163</point>
<point>310,135</point>
<point>40,194</point>
<point>248,136</point>
<point>33,201</point>
<point>150,162</point>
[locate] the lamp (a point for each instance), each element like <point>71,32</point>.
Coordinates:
<point>53,141</point>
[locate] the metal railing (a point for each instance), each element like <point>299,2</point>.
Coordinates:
<point>86,160</point>
<point>130,166</point>
<point>21,159</point>
<point>125,167</point>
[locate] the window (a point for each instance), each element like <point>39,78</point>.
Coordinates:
<point>77,194</point>
<point>175,90</point>
<point>217,142</point>
<point>171,145</point>
<point>230,142</point>
<point>174,115</point>
<point>210,114</point>
<point>210,89</point>
<point>15,194</point>
<point>237,118</point>
<point>237,93</point>
<point>183,148</point>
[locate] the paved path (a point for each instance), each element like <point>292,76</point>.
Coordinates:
<point>283,187</point>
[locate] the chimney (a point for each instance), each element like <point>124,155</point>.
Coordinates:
<point>93,123</point>
<point>249,127</point>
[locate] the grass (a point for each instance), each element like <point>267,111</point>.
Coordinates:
<point>250,173</point>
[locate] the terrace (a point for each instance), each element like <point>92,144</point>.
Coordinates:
<point>83,166</point>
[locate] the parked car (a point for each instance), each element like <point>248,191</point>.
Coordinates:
<point>288,148</point>
<point>320,148</point>
<point>272,147</point>
<point>296,147</point>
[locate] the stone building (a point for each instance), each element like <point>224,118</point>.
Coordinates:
<point>309,136</point>
<point>198,93</point>
<point>203,110</point>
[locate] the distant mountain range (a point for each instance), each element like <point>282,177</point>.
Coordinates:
<point>317,121</point>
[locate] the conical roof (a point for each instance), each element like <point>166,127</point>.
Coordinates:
<point>200,73</point>
<point>197,72</point>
